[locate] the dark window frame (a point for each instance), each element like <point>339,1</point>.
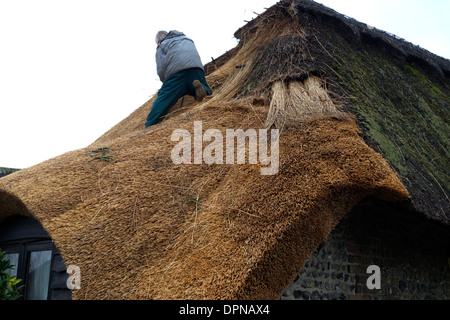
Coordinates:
<point>24,249</point>
<point>34,239</point>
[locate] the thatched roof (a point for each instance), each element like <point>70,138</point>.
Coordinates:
<point>399,92</point>
<point>141,227</point>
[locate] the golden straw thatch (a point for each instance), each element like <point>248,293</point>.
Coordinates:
<point>141,227</point>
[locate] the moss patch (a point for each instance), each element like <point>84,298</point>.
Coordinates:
<point>404,112</point>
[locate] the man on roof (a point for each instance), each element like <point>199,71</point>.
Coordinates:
<point>181,71</point>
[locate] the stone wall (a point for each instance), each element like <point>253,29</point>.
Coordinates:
<point>412,254</point>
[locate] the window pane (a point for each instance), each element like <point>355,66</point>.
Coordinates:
<point>13,259</point>
<point>38,275</point>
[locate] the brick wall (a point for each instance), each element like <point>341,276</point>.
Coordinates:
<point>411,252</point>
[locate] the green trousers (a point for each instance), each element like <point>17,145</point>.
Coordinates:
<point>174,87</point>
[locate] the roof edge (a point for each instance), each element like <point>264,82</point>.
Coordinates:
<point>357,30</point>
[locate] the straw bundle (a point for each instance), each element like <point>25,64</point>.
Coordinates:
<point>299,102</point>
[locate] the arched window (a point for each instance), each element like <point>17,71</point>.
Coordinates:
<point>35,258</point>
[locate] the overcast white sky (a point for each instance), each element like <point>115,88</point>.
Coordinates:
<point>70,70</point>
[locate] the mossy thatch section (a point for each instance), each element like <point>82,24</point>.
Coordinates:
<point>405,115</point>
<point>401,96</point>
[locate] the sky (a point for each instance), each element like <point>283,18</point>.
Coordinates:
<point>72,69</point>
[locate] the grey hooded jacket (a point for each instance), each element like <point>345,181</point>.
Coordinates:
<point>174,53</point>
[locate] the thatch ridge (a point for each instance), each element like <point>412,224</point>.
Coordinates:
<point>353,29</point>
